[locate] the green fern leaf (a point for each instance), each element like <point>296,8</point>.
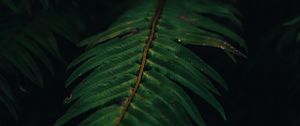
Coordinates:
<point>34,40</point>
<point>136,69</point>
<point>20,5</point>
<point>10,4</point>
<point>25,45</point>
<point>285,41</point>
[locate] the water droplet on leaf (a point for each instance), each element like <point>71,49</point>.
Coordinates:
<point>179,40</point>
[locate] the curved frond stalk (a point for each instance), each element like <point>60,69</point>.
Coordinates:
<point>136,69</point>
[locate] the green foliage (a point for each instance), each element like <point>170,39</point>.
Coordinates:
<point>28,42</point>
<point>289,44</point>
<point>135,72</point>
<point>285,41</point>
<point>17,6</point>
<point>275,65</point>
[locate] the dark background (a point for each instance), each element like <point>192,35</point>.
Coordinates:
<point>263,88</point>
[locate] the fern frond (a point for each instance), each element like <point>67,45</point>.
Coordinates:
<point>27,44</point>
<point>24,42</point>
<point>19,5</point>
<point>136,70</point>
<point>286,41</point>
<point>292,31</point>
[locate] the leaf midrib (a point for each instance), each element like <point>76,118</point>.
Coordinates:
<point>149,42</point>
